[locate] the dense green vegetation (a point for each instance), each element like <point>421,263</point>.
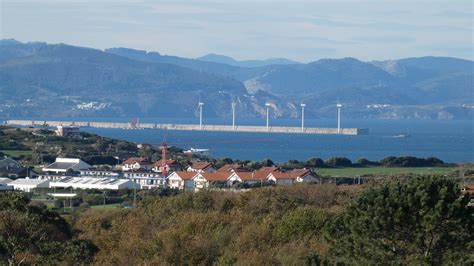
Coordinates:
<point>31,234</point>
<point>262,226</point>
<point>291,225</point>
<point>421,220</point>
<point>424,221</point>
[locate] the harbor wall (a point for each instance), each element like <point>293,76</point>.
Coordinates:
<point>192,127</point>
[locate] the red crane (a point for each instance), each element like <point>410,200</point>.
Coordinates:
<point>164,171</point>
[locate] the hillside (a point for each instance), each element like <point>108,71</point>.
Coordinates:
<point>68,77</point>
<point>37,79</point>
<point>245,63</point>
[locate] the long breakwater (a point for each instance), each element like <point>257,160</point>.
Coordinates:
<point>192,127</point>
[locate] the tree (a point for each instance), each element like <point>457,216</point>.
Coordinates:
<point>339,162</point>
<point>315,162</point>
<point>35,235</point>
<point>423,221</point>
<point>146,151</point>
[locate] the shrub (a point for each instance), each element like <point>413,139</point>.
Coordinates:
<point>423,221</point>
<point>338,162</point>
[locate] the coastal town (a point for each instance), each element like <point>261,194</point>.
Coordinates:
<point>139,173</point>
<point>180,171</point>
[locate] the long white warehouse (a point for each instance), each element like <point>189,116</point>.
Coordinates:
<point>94,183</point>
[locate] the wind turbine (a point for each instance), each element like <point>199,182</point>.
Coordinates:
<point>200,104</point>
<point>302,115</point>
<point>233,114</point>
<point>268,110</point>
<point>338,117</point>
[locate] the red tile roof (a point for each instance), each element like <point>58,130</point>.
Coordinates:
<point>168,162</point>
<point>230,167</point>
<point>140,160</point>
<point>293,174</point>
<point>217,176</point>
<point>250,176</point>
<point>469,189</point>
<point>184,175</point>
<point>201,165</point>
<point>263,172</point>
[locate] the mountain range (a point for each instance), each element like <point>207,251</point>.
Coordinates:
<point>44,80</point>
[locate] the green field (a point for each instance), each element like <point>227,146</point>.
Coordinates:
<point>360,171</point>
<point>16,153</point>
<point>107,206</point>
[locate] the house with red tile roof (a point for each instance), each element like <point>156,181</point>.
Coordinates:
<point>201,167</point>
<point>136,164</point>
<point>204,180</point>
<point>233,168</point>
<point>171,166</point>
<point>469,189</point>
<point>182,180</point>
<point>291,177</point>
<point>247,177</point>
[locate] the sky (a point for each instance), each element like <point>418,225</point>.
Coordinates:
<point>301,30</point>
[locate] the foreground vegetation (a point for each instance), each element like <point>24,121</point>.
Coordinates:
<point>419,221</point>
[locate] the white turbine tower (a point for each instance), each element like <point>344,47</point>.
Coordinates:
<point>233,114</point>
<point>302,116</point>
<point>268,110</point>
<point>200,114</point>
<point>338,117</point>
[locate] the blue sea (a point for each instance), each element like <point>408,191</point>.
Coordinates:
<point>451,141</point>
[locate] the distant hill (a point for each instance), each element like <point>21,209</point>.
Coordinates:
<point>67,78</point>
<point>39,79</point>
<point>245,63</point>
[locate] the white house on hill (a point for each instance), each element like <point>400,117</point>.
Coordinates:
<point>182,180</point>
<point>290,177</point>
<point>201,167</point>
<point>136,164</point>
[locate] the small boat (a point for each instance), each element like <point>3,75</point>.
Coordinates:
<point>399,136</point>
<point>204,152</point>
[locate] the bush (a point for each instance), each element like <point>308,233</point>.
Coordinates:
<point>301,222</point>
<point>338,162</point>
<point>365,162</point>
<point>100,159</point>
<point>425,221</point>
<point>314,162</point>
<point>410,161</point>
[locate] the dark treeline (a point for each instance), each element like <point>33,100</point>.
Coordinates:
<point>335,162</point>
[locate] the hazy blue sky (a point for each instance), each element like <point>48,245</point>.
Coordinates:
<point>298,30</point>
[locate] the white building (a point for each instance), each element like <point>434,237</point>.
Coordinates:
<point>67,131</point>
<point>147,180</point>
<point>28,185</point>
<point>4,184</point>
<point>65,165</point>
<point>182,180</point>
<point>94,183</point>
<point>201,167</point>
<point>290,177</point>
<point>5,181</point>
<point>136,164</point>
<point>171,166</point>
<point>99,173</point>
<point>247,177</point>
